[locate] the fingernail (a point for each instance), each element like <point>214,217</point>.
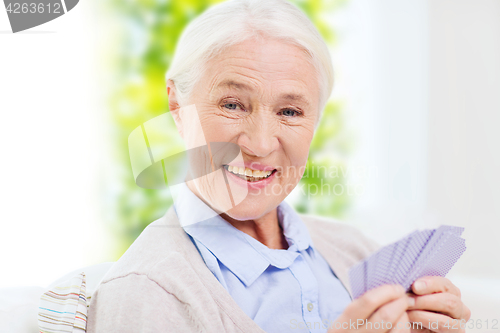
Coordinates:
<point>411,301</point>
<point>420,285</point>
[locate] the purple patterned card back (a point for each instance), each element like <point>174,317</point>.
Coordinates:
<point>422,253</point>
<point>440,265</point>
<point>426,252</point>
<point>357,279</point>
<point>440,259</point>
<point>382,270</point>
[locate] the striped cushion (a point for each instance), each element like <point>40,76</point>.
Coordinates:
<point>63,308</point>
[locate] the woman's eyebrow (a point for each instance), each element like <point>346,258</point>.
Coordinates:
<point>233,84</point>
<point>289,97</point>
<point>296,98</point>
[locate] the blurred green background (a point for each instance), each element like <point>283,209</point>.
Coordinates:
<point>139,56</point>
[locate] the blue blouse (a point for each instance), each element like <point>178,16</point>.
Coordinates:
<point>292,290</point>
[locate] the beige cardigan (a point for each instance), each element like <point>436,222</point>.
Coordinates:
<point>161,283</point>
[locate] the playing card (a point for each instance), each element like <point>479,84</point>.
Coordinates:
<point>444,253</point>
<point>422,253</point>
<point>357,278</point>
<point>427,251</point>
<point>382,273</point>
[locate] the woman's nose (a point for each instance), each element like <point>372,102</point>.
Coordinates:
<point>259,136</point>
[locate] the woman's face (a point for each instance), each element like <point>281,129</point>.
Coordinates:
<point>262,96</point>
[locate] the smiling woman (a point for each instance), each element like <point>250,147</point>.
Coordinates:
<point>264,93</point>
<point>231,255</point>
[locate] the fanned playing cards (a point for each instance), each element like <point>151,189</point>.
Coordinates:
<point>421,253</point>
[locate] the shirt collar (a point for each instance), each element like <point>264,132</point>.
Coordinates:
<point>243,255</point>
<point>294,229</point>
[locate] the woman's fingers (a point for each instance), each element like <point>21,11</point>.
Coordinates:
<point>445,303</point>
<point>434,284</point>
<point>387,302</point>
<point>364,306</point>
<point>435,293</point>
<point>386,317</point>
<point>437,322</point>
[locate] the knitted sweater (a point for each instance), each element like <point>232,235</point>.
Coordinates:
<point>161,283</point>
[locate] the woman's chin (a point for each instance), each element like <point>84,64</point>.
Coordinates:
<point>251,209</point>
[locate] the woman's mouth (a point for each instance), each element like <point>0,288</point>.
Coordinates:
<point>248,174</point>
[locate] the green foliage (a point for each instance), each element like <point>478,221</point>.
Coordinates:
<point>149,30</point>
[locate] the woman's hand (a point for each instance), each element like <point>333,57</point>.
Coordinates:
<point>378,310</point>
<point>438,306</point>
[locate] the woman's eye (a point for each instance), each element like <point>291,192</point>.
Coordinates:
<point>289,112</point>
<point>231,106</point>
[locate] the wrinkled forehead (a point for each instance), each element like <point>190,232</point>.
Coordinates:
<point>280,69</point>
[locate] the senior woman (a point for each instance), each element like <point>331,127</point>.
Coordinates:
<point>231,255</point>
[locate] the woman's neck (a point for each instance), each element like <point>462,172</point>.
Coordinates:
<point>265,229</point>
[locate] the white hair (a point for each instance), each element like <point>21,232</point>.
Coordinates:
<point>235,21</point>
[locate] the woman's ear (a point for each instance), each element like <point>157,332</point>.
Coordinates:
<point>173,105</point>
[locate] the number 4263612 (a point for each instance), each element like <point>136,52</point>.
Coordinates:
<point>24,8</point>
<point>472,324</point>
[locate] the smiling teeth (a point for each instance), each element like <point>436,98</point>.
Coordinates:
<point>248,172</point>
